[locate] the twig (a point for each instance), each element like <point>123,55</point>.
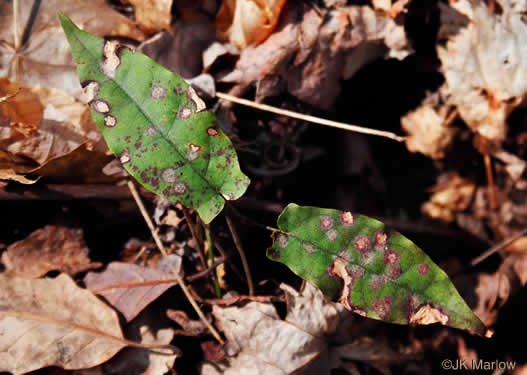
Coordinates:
<point>193,231</point>
<point>238,245</point>
<point>498,247</point>
<point>490,179</point>
<point>161,247</point>
<point>313,119</point>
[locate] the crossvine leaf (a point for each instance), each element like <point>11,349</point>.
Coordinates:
<point>373,271</point>
<point>156,124</point>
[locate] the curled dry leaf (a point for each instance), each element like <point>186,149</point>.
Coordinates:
<point>450,195</point>
<point>47,249</point>
<point>53,322</point>
<point>245,22</point>
<point>427,131</point>
<point>311,52</point>
<point>44,58</point>
<point>153,15</point>
<point>128,287</point>
<point>484,62</point>
<point>259,342</point>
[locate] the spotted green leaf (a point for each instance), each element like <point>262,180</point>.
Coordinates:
<point>373,271</point>
<point>156,125</point>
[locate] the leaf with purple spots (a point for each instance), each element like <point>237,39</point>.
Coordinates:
<point>156,125</point>
<point>373,271</point>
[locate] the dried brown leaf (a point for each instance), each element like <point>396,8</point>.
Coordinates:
<point>10,174</point>
<point>128,287</point>
<point>147,329</point>
<point>427,132</point>
<point>190,327</point>
<point>47,249</point>
<point>259,342</point>
<point>153,15</point>
<point>43,57</point>
<point>450,195</point>
<point>484,62</point>
<point>245,22</point>
<point>309,54</point>
<point>181,49</point>
<point>53,322</point>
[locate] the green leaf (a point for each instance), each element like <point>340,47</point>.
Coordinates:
<point>373,271</point>
<point>156,125</point>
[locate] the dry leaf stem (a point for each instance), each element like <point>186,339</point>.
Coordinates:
<point>238,245</point>
<point>193,231</point>
<point>498,247</point>
<point>161,247</point>
<point>308,118</point>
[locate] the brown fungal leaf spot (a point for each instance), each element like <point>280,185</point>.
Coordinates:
<point>194,98</point>
<point>101,106</point>
<point>423,269</point>
<point>339,269</point>
<point>346,255</point>
<point>413,301</point>
<point>180,188</point>
<point>380,241</point>
<point>184,113</point>
<point>391,258</point>
<point>332,234</point>
<point>110,121</point>
<point>151,131</point>
<point>90,89</point>
<point>193,152</point>
<point>367,258</point>
<point>326,222</point>
<point>382,307</point>
<point>169,175</point>
<point>357,272</point>
<point>361,243</point>
<point>428,314</point>
<point>309,247</point>
<point>393,273</point>
<point>158,92</point>
<point>125,157</point>
<point>110,61</point>
<point>347,218</point>
<point>283,240</point>
<point>376,281</point>
<point>212,132</point>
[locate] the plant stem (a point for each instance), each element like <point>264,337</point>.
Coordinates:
<point>163,251</point>
<point>210,251</point>
<point>238,245</point>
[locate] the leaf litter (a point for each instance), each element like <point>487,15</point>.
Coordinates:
<point>307,58</point>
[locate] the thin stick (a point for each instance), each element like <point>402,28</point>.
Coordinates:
<point>313,119</point>
<point>498,247</point>
<point>161,247</point>
<point>194,233</point>
<point>490,179</point>
<point>238,245</point>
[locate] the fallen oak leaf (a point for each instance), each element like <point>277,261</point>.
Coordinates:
<point>47,249</point>
<point>53,322</point>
